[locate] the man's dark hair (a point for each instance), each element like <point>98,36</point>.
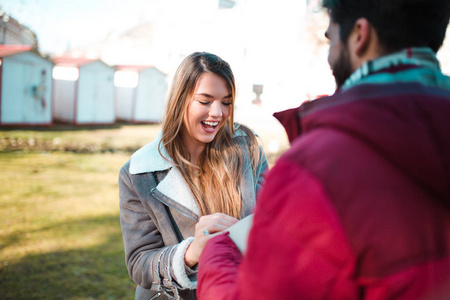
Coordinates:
<point>398,23</point>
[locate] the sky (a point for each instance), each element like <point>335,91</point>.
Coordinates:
<point>61,24</point>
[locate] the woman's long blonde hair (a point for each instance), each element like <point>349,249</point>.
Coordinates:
<point>215,181</point>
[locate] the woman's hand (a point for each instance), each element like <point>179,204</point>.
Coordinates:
<point>207,227</point>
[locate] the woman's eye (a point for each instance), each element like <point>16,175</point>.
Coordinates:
<point>226,103</point>
<point>203,102</point>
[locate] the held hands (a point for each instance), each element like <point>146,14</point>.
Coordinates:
<point>207,227</point>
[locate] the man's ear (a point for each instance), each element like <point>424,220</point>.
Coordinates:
<point>361,37</point>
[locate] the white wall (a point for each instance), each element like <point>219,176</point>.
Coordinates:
<point>63,100</point>
<point>124,103</point>
<point>150,96</point>
<point>95,102</point>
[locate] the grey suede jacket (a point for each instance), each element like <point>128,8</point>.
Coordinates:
<point>158,217</point>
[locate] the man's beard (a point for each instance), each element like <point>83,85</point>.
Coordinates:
<point>342,69</point>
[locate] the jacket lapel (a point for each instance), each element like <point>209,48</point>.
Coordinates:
<point>174,187</point>
<point>172,190</point>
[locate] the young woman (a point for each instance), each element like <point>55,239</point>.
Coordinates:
<point>194,181</point>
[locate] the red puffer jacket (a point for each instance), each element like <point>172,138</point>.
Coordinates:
<point>358,208</point>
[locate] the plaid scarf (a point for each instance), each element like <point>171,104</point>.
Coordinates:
<point>408,65</point>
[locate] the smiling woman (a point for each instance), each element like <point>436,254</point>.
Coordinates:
<point>208,111</point>
<point>190,184</point>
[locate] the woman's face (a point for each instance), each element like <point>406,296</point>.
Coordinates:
<point>208,110</point>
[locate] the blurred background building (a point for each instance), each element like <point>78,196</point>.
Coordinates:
<point>25,86</point>
<point>87,98</point>
<point>14,33</point>
<point>276,49</point>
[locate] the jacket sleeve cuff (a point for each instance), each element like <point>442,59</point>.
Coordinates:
<point>186,277</point>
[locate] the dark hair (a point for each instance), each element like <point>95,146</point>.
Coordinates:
<point>398,23</point>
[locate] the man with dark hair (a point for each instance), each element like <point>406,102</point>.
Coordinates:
<point>359,207</point>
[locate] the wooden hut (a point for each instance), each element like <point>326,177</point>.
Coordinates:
<point>83,91</point>
<point>25,87</point>
<point>140,94</point>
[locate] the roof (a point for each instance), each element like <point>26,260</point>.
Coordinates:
<point>9,50</point>
<point>73,61</point>
<point>136,68</point>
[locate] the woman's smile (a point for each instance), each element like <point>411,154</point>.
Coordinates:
<point>209,127</point>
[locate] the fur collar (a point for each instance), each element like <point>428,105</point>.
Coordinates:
<point>148,159</point>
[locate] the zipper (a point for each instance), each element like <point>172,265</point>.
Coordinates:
<point>155,296</point>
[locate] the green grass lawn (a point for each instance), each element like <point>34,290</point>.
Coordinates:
<point>119,137</point>
<point>60,234</point>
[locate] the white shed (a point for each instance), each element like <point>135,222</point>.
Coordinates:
<point>83,92</point>
<point>25,87</point>
<point>140,94</point>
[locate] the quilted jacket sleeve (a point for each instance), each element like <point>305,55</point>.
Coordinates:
<point>297,247</point>
<point>219,264</point>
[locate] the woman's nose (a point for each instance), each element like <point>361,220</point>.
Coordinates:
<point>216,109</point>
